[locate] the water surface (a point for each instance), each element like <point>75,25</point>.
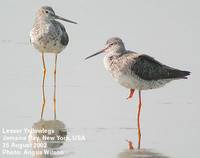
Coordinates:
<point>89,102</point>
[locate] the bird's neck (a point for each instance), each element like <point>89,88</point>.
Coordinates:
<point>42,21</point>
<point>118,52</point>
<point>112,55</point>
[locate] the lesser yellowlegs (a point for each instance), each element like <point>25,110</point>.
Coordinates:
<point>49,36</point>
<point>137,71</point>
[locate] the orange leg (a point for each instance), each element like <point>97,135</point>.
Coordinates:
<point>54,95</point>
<point>138,120</point>
<point>130,93</point>
<point>130,146</point>
<point>43,95</point>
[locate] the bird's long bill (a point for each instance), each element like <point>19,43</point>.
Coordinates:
<point>61,18</point>
<point>95,54</point>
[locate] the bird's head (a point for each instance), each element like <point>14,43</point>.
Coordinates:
<point>47,13</point>
<point>114,44</point>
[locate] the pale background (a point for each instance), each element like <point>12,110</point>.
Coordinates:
<point>89,101</point>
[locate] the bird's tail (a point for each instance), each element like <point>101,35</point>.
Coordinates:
<point>184,74</point>
<point>179,74</point>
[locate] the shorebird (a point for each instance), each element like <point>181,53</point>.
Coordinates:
<point>137,71</point>
<point>48,36</point>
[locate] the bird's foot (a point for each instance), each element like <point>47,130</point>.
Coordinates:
<point>130,93</point>
<point>130,146</point>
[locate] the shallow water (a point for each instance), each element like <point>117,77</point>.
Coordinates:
<point>90,103</point>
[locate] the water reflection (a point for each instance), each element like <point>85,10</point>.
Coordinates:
<point>43,91</point>
<point>46,137</point>
<point>140,153</point>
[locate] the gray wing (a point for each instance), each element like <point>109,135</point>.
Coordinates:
<point>63,33</point>
<point>148,68</point>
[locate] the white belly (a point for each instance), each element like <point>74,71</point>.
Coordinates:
<point>121,72</point>
<point>133,82</point>
<point>48,46</point>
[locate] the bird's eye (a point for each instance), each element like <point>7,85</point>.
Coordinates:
<point>46,11</point>
<point>112,44</point>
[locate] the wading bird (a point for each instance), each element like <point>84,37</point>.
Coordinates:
<point>49,36</point>
<point>137,71</point>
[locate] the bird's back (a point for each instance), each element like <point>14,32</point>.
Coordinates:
<point>149,69</point>
<point>139,71</point>
<point>61,32</point>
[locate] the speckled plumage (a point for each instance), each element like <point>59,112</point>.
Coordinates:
<point>48,35</point>
<point>137,71</point>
